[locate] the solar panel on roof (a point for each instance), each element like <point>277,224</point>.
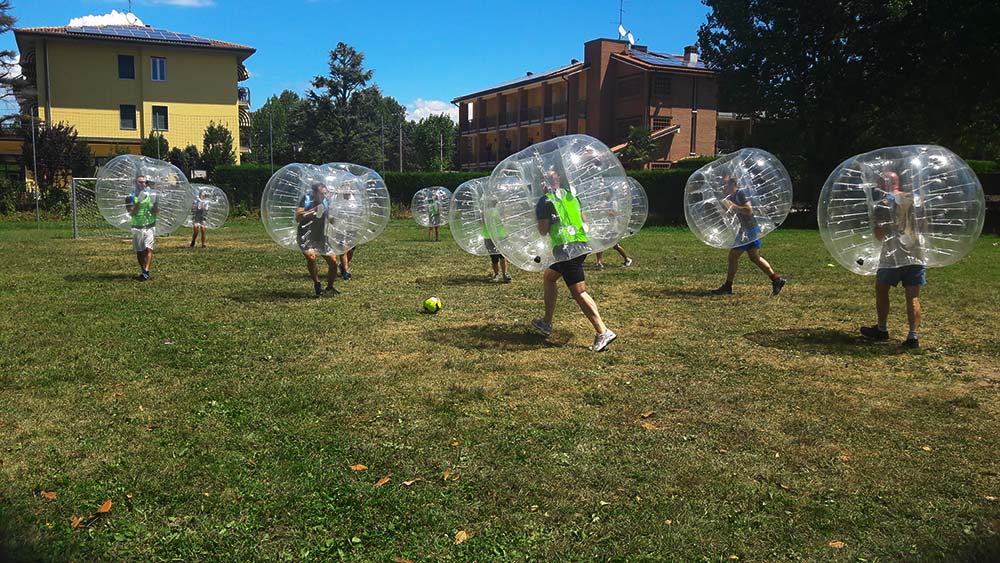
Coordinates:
<point>137,32</point>
<point>663,60</point>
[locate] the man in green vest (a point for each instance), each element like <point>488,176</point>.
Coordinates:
<point>142,206</point>
<point>560,218</point>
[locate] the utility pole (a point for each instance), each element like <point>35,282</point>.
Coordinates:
<point>401,145</point>
<point>381,141</point>
<point>440,151</point>
<point>34,165</point>
<point>270,133</point>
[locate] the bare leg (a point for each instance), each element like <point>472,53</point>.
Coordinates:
<point>621,251</point>
<point>550,278</point>
<point>913,313</point>
<point>147,259</point>
<point>588,306</point>
<point>734,265</point>
<point>311,264</point>
<point>203,230</point>
<point>600,257</point>
<point>503,266</point>
<point>756,258</point>
<point>882,302</point>
<point>331,270</point>
<point>141,258</point>
<point>194,236</point>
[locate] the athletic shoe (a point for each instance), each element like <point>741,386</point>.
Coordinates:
<point>346,276</point>
<point>776,286</point>
<point>319,289</point>
<point>911,343</point>
<point>542,326</point>
<point>724,289</point>
<point>602,340</point>
<point>144,276</point>
<point>874,332</point>
<point>599,265</point>
<point>506,278</point>
<point>331,290</point>
<point>627,263</point>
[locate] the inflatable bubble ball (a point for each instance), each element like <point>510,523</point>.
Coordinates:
<point>640,207</point>
<point>737,199</point>
<point>430,206</point>
<point>210,207</point>
<point>309,208</point>
<point>579,187</point>
<point>362,200</point>
<point>133,178</point>
<point>467,220</point>
<point>901,206</point>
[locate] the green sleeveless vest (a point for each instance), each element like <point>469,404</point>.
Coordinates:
<point>144,215</point>
<point>570,227</point>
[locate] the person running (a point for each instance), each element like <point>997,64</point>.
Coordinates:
<point>312,216</point>
<point>900,261</point>
<point>434,217</point>
<point>559,217</point>
<point>142,206</point>
<point>199,210</point>
<point>620,249</point>
<point>747,239</point>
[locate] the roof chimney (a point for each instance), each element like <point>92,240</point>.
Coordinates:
<point>530,73</point>
<point>691,54</point>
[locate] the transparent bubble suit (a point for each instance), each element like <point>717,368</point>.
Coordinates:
<point>640,207</point>
<point>165,182</point>
<point>901,206</point>
<point>209,208</point>
<point>346,205</point>
<point>577,172</point>
<point>430,206</point>
<point>760,180</point>
<point>467,220</point>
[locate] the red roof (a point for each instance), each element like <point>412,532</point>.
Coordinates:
<point>62,32</point>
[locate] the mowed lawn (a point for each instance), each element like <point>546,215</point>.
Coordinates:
<point>221,408</point>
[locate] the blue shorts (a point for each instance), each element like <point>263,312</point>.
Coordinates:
<point>911,276</point>
<point>742,235</point>
<point>745,247</point>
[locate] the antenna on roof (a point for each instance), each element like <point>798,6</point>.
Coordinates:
<point>623,33</point>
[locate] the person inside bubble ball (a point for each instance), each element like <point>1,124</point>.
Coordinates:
<point>434,216</point>
<point>312,216</point>
<point>559,217</point>
<point>199,208</point>
<point>499,262</point>
<point>894,222</point>
<point>349,202</point>
<point>738,201</point>
<point>142,206</point>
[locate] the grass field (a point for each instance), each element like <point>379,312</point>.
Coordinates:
<point>221,408</point>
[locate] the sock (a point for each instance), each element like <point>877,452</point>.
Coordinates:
<point>883,328</point>
<point>912,335</point>
<point>774,277</point>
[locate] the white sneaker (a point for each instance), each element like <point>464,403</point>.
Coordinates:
<point>628,262</point>
<point>602,340</point>
<point>599,265</point>
<point>494,278</point>
<point>542,326</point>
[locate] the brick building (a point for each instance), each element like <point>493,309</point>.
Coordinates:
<point>615,87</point>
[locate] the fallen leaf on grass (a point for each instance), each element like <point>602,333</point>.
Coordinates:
<point>845,458</point>
<point>76,523</point>
<point>358,467</point>
<point>734,557</point>
<point>446,474</point>
<point>837,544</point>
<point>401,560</point>
<point>454,444</point>
<point>412,481</point>
<point>104,508</point>
<point>991,498</point>
<point>49,495</point>
<point>603,503</point>
<point>462,536</point>
<point>646,414</point>
<point>383,480</point>
<point>648,425</point>
<point>925,448</point>
<point>668,522</point>
<point>723,451</point>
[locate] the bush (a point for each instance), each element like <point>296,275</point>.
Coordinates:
<point>984,166</point>
<point>692,163</point>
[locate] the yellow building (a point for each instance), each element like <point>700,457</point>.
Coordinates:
<point>117,84</point>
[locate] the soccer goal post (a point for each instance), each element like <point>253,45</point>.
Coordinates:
<point>87,219</point>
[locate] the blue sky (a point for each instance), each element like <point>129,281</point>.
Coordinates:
<point>423,53</point>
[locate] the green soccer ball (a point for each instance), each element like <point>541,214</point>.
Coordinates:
<point>432,305</point>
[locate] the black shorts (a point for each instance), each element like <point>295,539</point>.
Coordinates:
<point>571,270</point>
<point>496,258</point>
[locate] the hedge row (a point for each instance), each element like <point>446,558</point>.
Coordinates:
<point>665,188</point>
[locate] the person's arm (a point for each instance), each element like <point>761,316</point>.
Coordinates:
<point>543,214</point>
<point>131,205</point>
<point>544,225</point>
<point>743,208</point>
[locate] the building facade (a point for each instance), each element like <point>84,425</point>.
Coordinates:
<point>617,86</point>
<point>118,84</point>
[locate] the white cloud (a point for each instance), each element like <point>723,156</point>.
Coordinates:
<point>421,108</point>
<point>114,18</point>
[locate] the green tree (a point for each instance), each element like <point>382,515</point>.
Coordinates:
<point>155,146</point>
<point>640,148</point>
<point>10,77</point>
<point>57,153</point>
<point>434,143</point>
<point>217,147</point>
<point>186,159</point>
<point>273,121</point>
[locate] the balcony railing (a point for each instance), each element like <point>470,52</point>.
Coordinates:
<point>531,115</point>
<point>487,122</point>
<point>556,110</point>
<point>508,119</point>
<point>243,95</point>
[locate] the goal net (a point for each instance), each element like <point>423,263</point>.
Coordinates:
<point>87,219</point>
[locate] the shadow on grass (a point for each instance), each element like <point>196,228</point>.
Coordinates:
<point>984,550</point>
<point>495,336</point>
<point>822,341</point>
<point>675,292</point>
<point>264,295</point>
<point>454,280</point>
<point>99,277</point>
